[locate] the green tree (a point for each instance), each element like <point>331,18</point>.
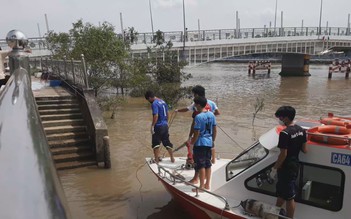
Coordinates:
<point>59,44</point>
<point>166,71</point>
<point>103,51</point>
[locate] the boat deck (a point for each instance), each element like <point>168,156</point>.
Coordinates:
<point>184,175</point>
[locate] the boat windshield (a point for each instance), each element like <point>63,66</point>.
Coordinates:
<point>246,159</point>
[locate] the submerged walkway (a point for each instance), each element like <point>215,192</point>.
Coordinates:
<point>43,89</point>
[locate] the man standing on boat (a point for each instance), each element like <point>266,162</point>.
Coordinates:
<point>292,140</point>
<point>199,91</point>
<point>203,140</point>
<point>159,125</point>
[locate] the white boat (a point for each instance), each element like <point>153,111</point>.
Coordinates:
<point>241,187</point>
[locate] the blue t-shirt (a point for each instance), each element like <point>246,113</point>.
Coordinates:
<point>212,104</point>
<point>160,108</point>
<point>204,122</point>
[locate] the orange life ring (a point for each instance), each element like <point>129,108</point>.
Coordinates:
<point>333,129</point>
<point>330,134</point>
<point>335,121</point>
<point>327,139</point>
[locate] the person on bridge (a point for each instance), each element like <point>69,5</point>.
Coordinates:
<point>199,91</point>
<point>3,55</point>
<point>292,140</point>
<point>159,125</point>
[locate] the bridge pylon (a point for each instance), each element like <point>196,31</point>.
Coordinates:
<point>295,65</point>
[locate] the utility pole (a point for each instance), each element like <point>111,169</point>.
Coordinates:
<point>152,23</point>
<point>275,17</point>
<point>184,31</point>
<point>348,24</point>
<point>320,20</point>
<point>281,24</point>
<point>237,24</point>
<point>198,28</point>
<point>121,20</point>
<point>47,24</point>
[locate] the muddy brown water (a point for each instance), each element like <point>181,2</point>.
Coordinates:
<point>130,190</point>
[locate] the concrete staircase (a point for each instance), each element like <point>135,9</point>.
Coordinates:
<point>66,132</point>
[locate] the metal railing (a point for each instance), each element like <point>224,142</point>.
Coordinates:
<point>39,43</point>
<point>173,179</point>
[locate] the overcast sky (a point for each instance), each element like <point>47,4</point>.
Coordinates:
<point>25,15</point>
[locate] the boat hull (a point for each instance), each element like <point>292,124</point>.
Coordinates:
<point>195,207</point>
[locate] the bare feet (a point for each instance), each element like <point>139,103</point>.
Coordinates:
<point>198,190</point>
<point>207,187</point>
<point>172,159</point>
<point>193,181</point>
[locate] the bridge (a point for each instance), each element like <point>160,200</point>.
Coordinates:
<point>296,44</point>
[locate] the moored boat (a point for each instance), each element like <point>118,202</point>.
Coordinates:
<point>242,188</point>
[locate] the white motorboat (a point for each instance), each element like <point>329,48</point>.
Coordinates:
<point>241,187</point>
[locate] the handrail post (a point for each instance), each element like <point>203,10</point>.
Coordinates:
<point>73,73</point>
<point>65,67</point>
<point>107,158</point>
<point>85,72</point>
<point>17,57</point>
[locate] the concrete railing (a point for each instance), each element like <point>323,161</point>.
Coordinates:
<point>29,184</point>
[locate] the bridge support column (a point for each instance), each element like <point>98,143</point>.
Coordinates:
<point>295,65</point>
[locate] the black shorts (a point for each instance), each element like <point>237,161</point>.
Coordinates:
<point>161,135</point>
<point>202,157</point>
<point>286,185</point>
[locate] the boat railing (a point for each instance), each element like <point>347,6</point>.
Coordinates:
<point>346,138</point>
<point>173,178</point>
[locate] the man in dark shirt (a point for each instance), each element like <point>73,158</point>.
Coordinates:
<point>292,140</point>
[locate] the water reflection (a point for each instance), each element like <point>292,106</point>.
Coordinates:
<point>130,190</point>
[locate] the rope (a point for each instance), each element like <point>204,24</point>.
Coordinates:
<point>237,144</point>
<point>171,118</point>
<point>141,185</point>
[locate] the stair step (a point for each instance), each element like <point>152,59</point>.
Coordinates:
<point>61,116</point>
<point>64,129</point>
<point>68,142</point>
<point>80,156</point>
<point>66,97</point>
<point>66,135</point>
<point>58,111</point>
<point>62,122</point>
<point>55,101</point>
<point>74,164</point>
<point>70,150</point>
<point>58,106</point>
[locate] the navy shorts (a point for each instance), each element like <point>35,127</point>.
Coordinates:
<point>161,135</point>
<point>202,157</point>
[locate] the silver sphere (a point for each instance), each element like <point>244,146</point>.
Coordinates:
<point>16,39</point>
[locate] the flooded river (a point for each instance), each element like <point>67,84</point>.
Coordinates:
<point>130,190</point>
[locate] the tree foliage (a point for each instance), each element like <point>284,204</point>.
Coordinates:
<point>103,50</point>
<point>167,71</point>
<point>109,62</point>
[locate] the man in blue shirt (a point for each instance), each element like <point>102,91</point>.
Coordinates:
<point>205,132</point>
<point>159,125</point>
